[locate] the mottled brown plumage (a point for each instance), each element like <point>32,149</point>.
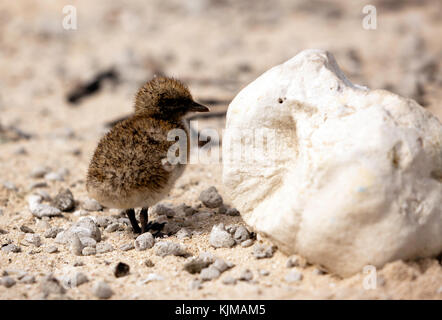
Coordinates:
<point>128,168</point>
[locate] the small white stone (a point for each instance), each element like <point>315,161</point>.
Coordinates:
<point>104,247</point>
<point>221,265</point>
<point>229,280</point>
<point>144,241</point>
<point>53,176</point>
<point>51,249</point>
<point>209,273</point>
<point>39,172</point>
<point>9,186</point>
<point>89,251</point>
<point>75,244</point>
<point>91,205</point>
<point>246,275</point>
<point>247,243</point>
<point>293,276</point>
<point>74,279</point>
<point>220,238</point>
<point>166,248</point>
<point>102,290</point>
<point>162,209</point>
<point>152,277</point>
<point>88,242</point>
<point>33,239</point>
<point>183,233</point>
<point>7,281</point>
<point>41,210</point>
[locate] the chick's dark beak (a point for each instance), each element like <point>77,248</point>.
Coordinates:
<point>194,106</point>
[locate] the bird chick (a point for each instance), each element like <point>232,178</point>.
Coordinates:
<point>128,169</point>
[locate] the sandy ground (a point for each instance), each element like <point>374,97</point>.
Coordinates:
<point>216,47</point>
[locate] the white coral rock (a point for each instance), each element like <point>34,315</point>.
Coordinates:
<point>345,176</point>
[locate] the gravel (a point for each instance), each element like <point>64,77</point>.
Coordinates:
<point>26,229</point>
<point>41,210</point>
<point>89,251</point>
<point>209,273</point>
<point>28,279</point>
<point>229,280</point>
<point>246,275</point>
<point>195,265</point>
<point>88,242</point>
<point>102,290</point>
<point>2,231</point>
<point>127,246</point>
<point>86,227</point>
<point>162,209</point>
<point>10,186</point>
<point>112,227</point>
<point>202,216</point>
<point>38,185</point>
<point>51,285</point>
<point>221,265</point>
<point>91,205</point>
<point>195,284</point>
<point>148,263</point>
<point>247,243</point>
<point>52,249</point>
<point>11,248</point>
<point>319,271</point>
<point>63,237</point>
<point>74,279</point>
<point>81,213</point>
<point>183,233</point>
<point>144,241</point>
<point>152,277</point>
<point>232,212</point>
<point>7,281</point>
<point>296,261</point>
<point>220,238</point>
<point>241,234</point>
<point>293,276</point>
<point>184,210</point>
<point>39,172</point>
<point>121,269</point>
<point>211,198</point>
<point>64,201</point>
<point>222,209</point>
<point>104,221</point>
<point>52,232</point>
<point>75,245</point>
<point>264,273</point>
<point>125,221</point>
<point>104,247</point>
<point>33,239</point>
<point>43,194</point>
<point>54,176</point>
<point>231,228</point>
<point>166,248</point>
<point>261,251</point>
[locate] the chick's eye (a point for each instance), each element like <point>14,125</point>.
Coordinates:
<point>172,102</point>
<point>165,102</point>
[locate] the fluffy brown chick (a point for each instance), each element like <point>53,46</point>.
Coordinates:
<point>127,169</point>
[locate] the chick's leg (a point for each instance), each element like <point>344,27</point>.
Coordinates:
<point>143,220</point>
<point>133,221</point>
<point>147,226</point>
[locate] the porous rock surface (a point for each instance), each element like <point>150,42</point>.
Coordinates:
<point>353,176</point>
